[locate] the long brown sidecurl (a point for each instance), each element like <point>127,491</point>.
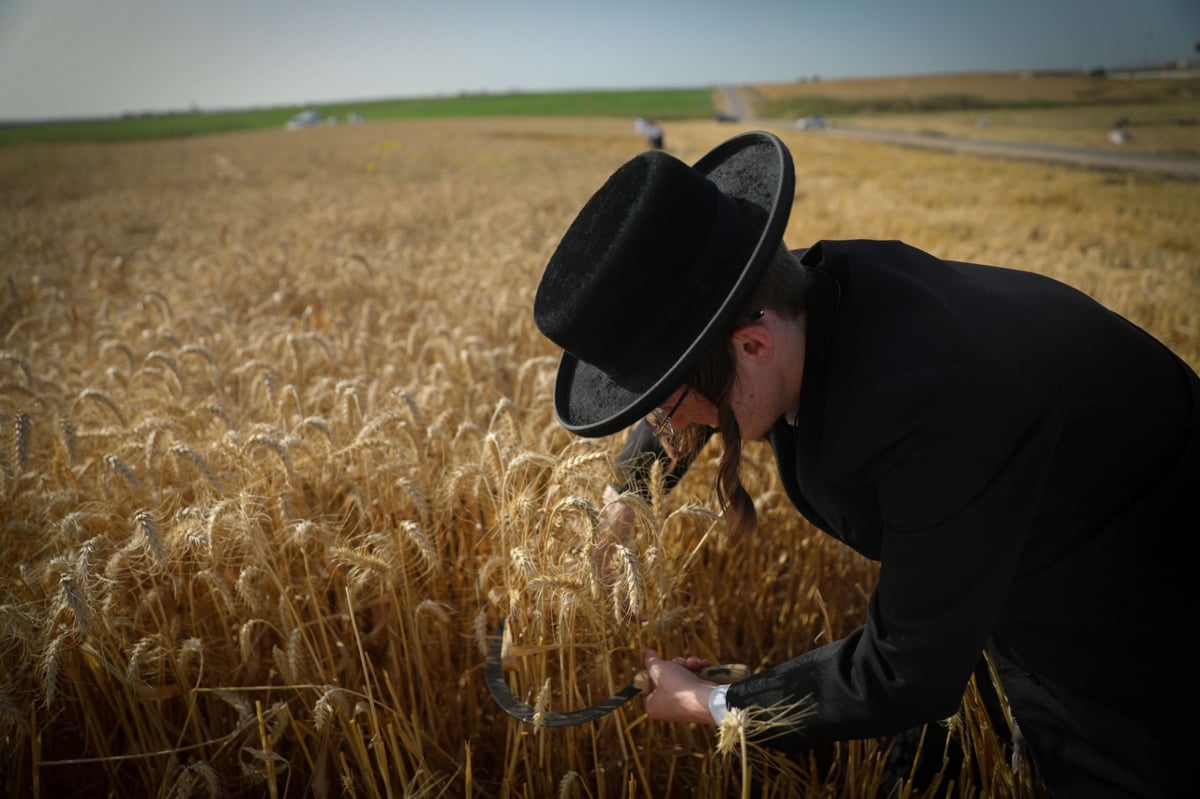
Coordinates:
<point>784,290</point>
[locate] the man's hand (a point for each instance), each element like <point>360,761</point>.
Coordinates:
<point>616,520</point>
<point>678,694</point>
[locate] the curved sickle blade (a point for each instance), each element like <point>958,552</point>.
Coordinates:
<point>498,686</point>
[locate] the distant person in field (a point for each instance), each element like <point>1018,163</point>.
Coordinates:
<point>1022,462</point>
<point>651,130</point>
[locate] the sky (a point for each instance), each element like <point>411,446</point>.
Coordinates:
<point>99,58</point>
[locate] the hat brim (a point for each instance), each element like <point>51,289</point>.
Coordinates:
<point>754,167</point>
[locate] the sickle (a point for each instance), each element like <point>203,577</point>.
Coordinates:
<point>498,686</point>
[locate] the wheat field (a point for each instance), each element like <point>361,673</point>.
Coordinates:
<point>278,455</point>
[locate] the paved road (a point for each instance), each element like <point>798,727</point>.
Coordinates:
<point>1174,167</point>
<point>735,104</point>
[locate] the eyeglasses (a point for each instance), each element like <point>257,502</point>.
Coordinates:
<point>660,423</point>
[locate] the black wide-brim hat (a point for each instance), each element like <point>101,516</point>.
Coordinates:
<point>649,276</point>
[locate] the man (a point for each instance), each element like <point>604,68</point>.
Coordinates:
<point>1015,456</point>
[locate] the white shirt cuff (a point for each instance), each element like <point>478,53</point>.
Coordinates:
<point>716,703</point>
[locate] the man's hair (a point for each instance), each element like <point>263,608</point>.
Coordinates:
<point>783,289</point>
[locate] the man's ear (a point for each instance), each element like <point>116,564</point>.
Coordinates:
<point>754,342</point>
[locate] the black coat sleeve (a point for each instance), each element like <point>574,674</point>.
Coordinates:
<point>950,467</point>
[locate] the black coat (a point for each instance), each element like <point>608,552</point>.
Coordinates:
<point>1017,457</point>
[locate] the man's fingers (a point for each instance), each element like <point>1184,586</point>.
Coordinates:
<point>691,662</point>
<point>647,678</point>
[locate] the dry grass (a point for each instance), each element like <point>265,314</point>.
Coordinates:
<point>278,454</point>
<point>993,86</point>
<point>1161,115</point>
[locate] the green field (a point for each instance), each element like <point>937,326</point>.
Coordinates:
<point>664,104</point>
<point>1076,110</point>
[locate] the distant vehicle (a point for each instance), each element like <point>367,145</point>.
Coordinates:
<point>812,122</point>
<point>305,119</point>
<point>723,117</point>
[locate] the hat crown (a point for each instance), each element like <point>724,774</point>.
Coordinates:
<point>646,249</point>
